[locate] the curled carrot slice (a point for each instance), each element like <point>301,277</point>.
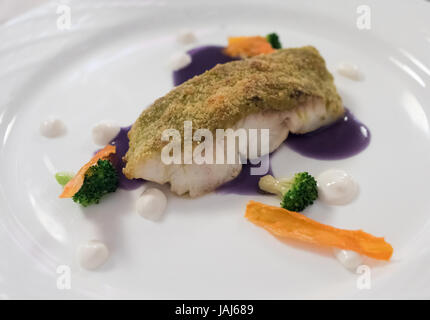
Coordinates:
<point>76,182</point>
<point>287,224</point>
<point>245,47</point>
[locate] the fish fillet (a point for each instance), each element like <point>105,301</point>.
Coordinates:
<point>289,90</point>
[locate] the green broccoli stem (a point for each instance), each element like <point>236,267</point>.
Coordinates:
<point>270,184</point>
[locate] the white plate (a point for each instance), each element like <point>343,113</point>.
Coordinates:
<point>113,62</point>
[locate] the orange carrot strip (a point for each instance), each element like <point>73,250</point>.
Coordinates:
<point>77,181</point>
<point>248,46</point>
<point>293,225</point>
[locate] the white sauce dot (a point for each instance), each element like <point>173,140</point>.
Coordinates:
<point>179,60</point>
<point>350,71</point>
<point>151,204</point>
<point>349,259</point>
<point>92,254</point>
<point>186,37</point>
<point>103,132</point>
<point>336,187</point>
<point>52,127</point>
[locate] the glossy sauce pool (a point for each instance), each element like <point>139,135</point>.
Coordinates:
<point>342,139</point>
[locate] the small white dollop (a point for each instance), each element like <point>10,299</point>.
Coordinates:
<point>92,254</point>
<point>186,36</point>
<point>104,131</point>
<point>152,204</point>
<point>349,259</point>
<point>179,60</point>
<point>336,187</point>
<point>350,71</point>
<point>52,127</point>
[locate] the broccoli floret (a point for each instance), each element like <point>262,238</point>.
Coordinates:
<point>99,180</point>
<point>273,39</point>
<point>296,193</point>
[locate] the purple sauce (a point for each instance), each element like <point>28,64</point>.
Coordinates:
<point>121,143</point>
<point>202,59</point>
<point>244,183</point>
<point>343,139</point>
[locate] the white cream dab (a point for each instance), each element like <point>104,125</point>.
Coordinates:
<point>186,36</point>
<point>349,259</point>
<point>179,61</point>
<point>151,204</point>
<point>350,71</point>
<point>104,131</point>
<point>336,187</point>
<point>92,254</point>
<point>52,127</point>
